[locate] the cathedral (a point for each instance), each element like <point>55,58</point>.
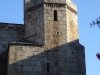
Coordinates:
<point>46,44</point>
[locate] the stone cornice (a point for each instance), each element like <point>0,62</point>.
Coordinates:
<point>51,5</point>
<point>55,4</point>
<point>47,4</point>
<point>73,10</point>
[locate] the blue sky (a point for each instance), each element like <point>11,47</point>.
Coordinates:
<point>11,11</point>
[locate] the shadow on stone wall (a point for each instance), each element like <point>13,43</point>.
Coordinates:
<point>65,59</point>
<point>8,32</point>
<point>3,63</point>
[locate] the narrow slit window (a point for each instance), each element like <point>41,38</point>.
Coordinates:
<point>55,15</point>
<point>47,67</point>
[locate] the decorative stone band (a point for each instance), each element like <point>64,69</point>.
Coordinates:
<point>51,5</point>
<point>55,4</point>
<point>47,4</point>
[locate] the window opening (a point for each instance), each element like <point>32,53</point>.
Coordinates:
<point>47,67</point>
<point>55,15</point>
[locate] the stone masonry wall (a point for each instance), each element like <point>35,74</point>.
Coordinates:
<point>34,25</point>
<point>72,22</point>
<point>31,3</point>
<point>55,31</point>
<point>56,56</point>
<point>8,33</point>
<point>39,23</point>
<point>39,19</point>
<point>32,60</point>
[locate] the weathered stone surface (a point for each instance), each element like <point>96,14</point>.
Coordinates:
<point>8,33</point>
<point>57,60</point>
<point>55,49</point>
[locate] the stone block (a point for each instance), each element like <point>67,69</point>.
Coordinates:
<point>47,8</point>
<point>65,69</point>
<point>38,63</point>
<point>50,18</point>
<point>39,40</point>
<point>49,12</point>
<point>18,73</point>
<point>34,58</point>
<point>33,62</point>
<point>12,58</point>
<point>37,68</point>
<point>27,63</point>
<point>61,64</point>
<point>46,22</point>
<point>63,73</point>
<point>62,59</point>
<point>30,68</point>
<point>24,73</point>
<point>62,55</point>
<point>36,53</point>
<point>60,15</point>
<point>28,54</point>
<point>62,9</point>
<point>75,69</point>
<point>64,19</point>
<point>62,1</point>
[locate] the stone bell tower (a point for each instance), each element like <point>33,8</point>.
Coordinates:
<point>53,48</point>
<point>47,20</point>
